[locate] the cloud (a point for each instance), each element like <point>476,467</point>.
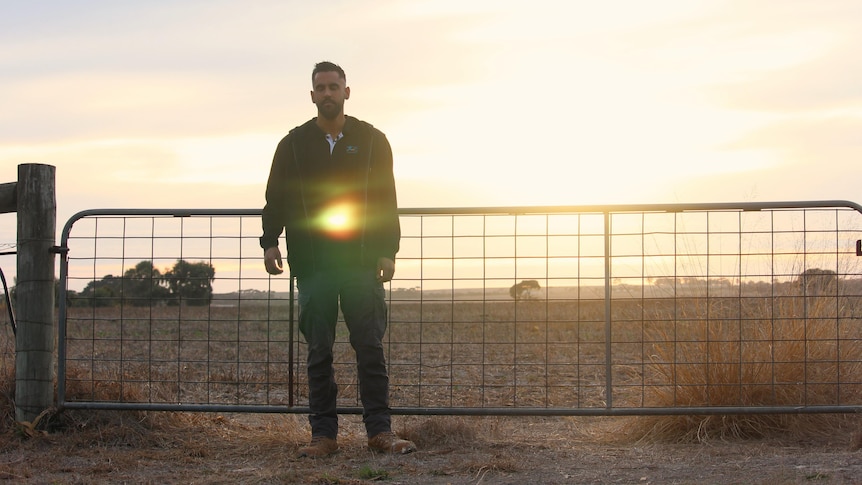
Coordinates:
<point>781,57</point>
<point>830,82</point>
<point>128,69</point>
<point>832,142</point>
<point>153,173</point>
<point>812,159</point>
<point>105,105</point>
<point>201,68</point>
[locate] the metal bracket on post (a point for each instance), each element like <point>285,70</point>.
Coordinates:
<point>859,247</point>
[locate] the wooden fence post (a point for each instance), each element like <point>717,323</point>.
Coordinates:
<point>34,297</point>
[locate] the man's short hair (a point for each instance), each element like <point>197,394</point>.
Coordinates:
<point>327,66</point>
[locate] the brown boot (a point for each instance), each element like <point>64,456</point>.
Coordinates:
<point>319,447</point>
<point>389,442</point>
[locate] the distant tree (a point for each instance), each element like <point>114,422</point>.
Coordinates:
<point>816,281</point>
<point>524,289</point>
<point>191,283</point>
<point>72,297</point>
<point>142,285</point>
<point>105,292</point>
<point>663,282</point>
<point>145,285</point>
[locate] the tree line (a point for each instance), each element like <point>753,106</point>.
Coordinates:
<point>144,285</point>
<point>811,282</point>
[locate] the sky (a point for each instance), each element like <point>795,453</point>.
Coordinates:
<point>180,103</point>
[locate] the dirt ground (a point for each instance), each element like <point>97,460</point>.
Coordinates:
<point>114,447</point>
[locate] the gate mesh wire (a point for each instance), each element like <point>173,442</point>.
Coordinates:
<point>567,310</point>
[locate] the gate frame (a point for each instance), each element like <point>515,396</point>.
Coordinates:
<point>608,410</point>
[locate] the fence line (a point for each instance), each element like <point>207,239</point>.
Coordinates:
<point>589,310</point>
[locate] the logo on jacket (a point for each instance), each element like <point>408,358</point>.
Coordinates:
<point>352,149</point>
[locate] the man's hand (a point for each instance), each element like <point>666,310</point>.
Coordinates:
<point>272,260</point>
<point>385,269</point>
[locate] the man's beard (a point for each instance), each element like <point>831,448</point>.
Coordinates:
<point>329,109</point>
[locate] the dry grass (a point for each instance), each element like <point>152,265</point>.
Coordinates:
<point>733,374</point>
<point>7,378</point>
<point>735,427</point>
<point>755,361</point>
<point>452,431</point>
<point>167,447</point>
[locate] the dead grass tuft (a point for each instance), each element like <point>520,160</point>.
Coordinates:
<point>271,431</point>
<point>7,380</point>
<point>753,361</point>
<point>441,431</point>
<point>118,428</point>
<point>92,428</point>
<point>497,462</point>
<point>7,407</point>
<point>703,429</point>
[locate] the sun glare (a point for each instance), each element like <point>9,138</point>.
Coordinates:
<point>339,220</point>
<point>336,221</point>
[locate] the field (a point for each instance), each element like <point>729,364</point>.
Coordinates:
<point>496,354</point>
<point>562,354</point>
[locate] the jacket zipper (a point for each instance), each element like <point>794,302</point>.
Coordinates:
<point>362,248</point>
<point>304,207</point>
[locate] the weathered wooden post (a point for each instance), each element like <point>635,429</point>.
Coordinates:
<point>34,298</point>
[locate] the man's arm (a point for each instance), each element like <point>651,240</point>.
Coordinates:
<point>388,233</point>
<point>274,212</point>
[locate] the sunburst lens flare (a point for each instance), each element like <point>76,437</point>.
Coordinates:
<point>339,221</point>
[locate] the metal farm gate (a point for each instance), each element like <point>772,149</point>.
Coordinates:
<point>595,310</point>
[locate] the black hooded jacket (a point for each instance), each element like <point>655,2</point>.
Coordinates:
<point>339,209</point>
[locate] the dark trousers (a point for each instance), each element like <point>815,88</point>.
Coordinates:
<point>363,305</point>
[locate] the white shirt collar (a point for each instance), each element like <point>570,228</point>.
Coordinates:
<point>332,141</point>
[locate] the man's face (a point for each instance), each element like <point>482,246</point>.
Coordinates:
<point>328,93</point>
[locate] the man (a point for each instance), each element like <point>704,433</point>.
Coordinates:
<point>331,187</point>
